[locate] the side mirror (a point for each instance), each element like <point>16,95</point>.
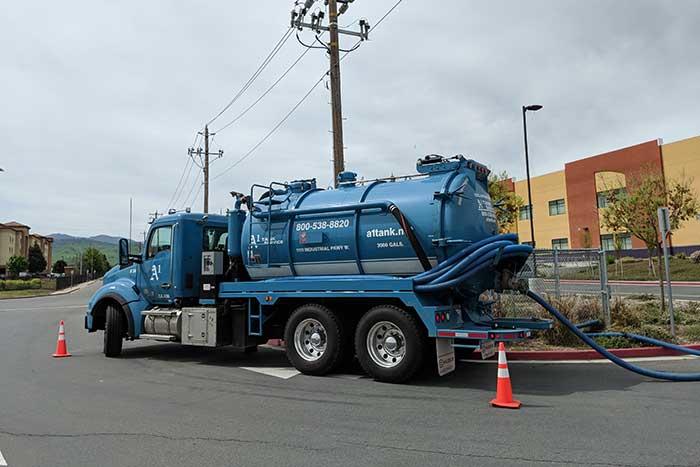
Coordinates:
<point>123,252</point>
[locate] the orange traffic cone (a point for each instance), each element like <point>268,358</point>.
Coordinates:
<point>504,393</point>
<point>61,349</point>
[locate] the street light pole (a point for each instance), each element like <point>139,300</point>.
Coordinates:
<point>532,108</point>
<point>531,211</point>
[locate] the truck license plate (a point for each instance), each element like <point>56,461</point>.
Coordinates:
<point>488,349</point>
<point>445,356</point>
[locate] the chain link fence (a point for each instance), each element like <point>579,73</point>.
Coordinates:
<point>559,274</point>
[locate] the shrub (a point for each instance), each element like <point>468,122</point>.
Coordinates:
<point>576,309</point>
<point>617,342</point>
<point>610,259</point>
<point>624,316</point>
<point>20,284</point>
<point>692,332</point>
<point>688,313</point>
<point>661,333</point>
<point>695,257</point>
<point>650,313</point>
<point>680,256</point>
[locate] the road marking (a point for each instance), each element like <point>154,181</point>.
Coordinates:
<point>277,372</point>
<point>43,308</point>
<point>598,360</point>
<point>349,376</point>
<point>3,462</point>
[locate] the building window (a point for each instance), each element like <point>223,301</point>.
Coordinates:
<point>603,196</point>
<point>557,207</point>
<point>525,213</point>
<point>528,243</point>
<point>560,244</point>
<point>607,242</point>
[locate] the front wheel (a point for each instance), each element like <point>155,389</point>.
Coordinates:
<point>390,344</point>
<point>114,332</point>
<point>314,337</point>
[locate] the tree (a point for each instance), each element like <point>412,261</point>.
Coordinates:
<point>635,209</point>
<point>615,227</point>
<point>16,264</point>
<point>95,262</point>
<point>59,267</point>
<point>36,260</point>
<point>505,202</point>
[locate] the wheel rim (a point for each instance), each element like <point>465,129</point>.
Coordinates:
<point>386,344</point>
<point>310,339</point>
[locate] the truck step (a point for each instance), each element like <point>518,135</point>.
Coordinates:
<point>158,337</point>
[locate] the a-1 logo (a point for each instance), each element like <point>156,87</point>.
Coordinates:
<point>155,272</point>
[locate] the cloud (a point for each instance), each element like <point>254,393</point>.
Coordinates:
<point>101,100</point>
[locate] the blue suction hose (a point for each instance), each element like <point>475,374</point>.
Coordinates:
<point>614,358</point>
<point>488,253</point>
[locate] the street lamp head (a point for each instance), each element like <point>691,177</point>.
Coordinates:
<point>532,108</point>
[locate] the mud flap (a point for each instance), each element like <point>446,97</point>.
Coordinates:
<point>445,356</point>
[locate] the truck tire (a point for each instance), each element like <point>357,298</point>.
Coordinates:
<point>314,335</point>
<point>114,331</point>
<point>390,344</point>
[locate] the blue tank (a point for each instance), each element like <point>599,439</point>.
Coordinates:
<point>398,226</point>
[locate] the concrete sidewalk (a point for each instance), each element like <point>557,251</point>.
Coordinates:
<point>74,288</point>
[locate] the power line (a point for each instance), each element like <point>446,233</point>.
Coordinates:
<point>271,132</point>
<point>386,14</point>
<point>255,75</point>
<point>179,183</point>
<point>262,96</point>
<point>187,198</point>
<point>298,104</point>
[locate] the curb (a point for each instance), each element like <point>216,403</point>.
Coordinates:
<point>73,289</point>
<point>631,282</point>
<point>554,355</point>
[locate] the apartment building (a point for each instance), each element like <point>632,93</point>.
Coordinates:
<point>567,204</point>
<point>15,240</point>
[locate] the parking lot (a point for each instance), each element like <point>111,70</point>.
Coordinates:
<point>163,404</point>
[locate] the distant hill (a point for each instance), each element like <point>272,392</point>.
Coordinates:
<point>68,247</point>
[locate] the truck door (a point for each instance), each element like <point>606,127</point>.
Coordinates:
<point>157,266</point>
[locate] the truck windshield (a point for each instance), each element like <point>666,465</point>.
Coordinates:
<point>214,239</point>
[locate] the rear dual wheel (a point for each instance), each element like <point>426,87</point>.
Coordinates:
<point>390,344</point>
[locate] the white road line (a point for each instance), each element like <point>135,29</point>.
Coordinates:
<point>599,360</point>
<point>44,308</point>
<point>277,372</point>
<point>352,377</point>
<point>3,462</point>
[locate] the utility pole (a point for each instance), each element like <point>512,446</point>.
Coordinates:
<point>336,104</point>
<point>206,169</point>
<point>131,219</point>
<point>154,216</point>
<point>205,163</point>
<point>333,49</point>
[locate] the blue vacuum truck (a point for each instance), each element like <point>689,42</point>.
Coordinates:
<point>390,271</point>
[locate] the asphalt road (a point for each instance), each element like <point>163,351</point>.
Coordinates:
<point>167,405</point>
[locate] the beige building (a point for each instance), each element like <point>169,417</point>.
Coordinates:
<point>567,205</point>
<point>15,240</point>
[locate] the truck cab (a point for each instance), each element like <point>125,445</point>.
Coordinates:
<point>139,295</point>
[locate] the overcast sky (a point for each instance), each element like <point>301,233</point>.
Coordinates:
<point>102,99</point>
